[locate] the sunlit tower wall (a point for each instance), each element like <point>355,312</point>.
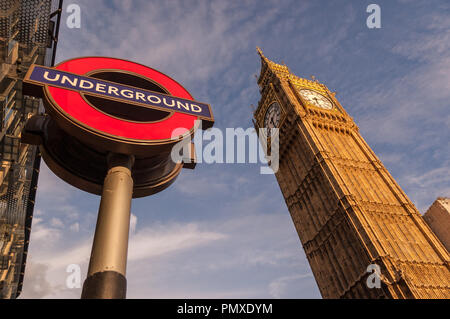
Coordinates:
<point>28,35</point>
<point>349,212</point>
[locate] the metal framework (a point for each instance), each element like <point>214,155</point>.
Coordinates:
<point>28,35</point>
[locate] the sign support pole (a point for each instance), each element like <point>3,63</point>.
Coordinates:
<point>107,267</point>
<point>92,122</point>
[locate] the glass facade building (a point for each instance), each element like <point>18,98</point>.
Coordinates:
<point>28,35</point>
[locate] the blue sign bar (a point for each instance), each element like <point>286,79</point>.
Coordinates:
<point>106,89</point>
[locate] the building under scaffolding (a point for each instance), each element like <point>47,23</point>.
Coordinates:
<point>28,35</point>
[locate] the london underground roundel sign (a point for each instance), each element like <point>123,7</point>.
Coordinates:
<point>117,105</point>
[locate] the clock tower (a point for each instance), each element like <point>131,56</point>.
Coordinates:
<point>361,234</point>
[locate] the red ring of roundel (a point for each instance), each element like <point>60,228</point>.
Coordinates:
<point>72,103</point>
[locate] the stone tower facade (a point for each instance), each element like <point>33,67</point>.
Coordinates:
<point>438,218</point>
<point>347,209</point>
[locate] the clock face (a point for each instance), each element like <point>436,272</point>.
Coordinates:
<point>272,117</point>
<point>316,99</point>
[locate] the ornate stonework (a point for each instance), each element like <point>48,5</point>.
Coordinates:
<point>348,210</point>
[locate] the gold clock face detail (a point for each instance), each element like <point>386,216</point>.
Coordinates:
<point>316,99</point>
<point>272,117</point>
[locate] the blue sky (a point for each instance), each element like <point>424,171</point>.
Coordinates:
<point>223,230</point>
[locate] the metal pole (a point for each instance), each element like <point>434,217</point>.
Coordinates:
<point>107,267</point>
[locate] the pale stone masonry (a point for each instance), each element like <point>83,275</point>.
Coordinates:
<point>349,212</point>
<point>438,218</point>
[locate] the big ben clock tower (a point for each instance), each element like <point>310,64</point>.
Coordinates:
<point>352,218</point>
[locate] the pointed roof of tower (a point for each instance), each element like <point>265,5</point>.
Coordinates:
<point>258,49</point>
<point>278,69</point>
<point>269,68</point>
<point>261,54</point>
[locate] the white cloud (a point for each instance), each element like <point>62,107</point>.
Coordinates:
<point>56,222</point>
<point>166,239</point>
<point>52,187</point>
<point>144,244</point>
<point>231,264</point>
<point>425,187</point>
<point>280,286</point>
<point>158,254</point>
<point>42,234</point>
<point>409,112</point>
<point>37,284</point>
<point>75,227</point>
<point>133,223</point>
<point>394,108</point>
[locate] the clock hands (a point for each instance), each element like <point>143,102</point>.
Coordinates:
<point>316,99</point>
<point>272,116</point>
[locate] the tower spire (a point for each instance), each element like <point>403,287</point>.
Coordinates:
<point>258,49</point>
<point>265,63</point>
<point>264,60</point>
<point>280,70</point>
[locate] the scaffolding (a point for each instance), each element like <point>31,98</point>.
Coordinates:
<point>28,35</point>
